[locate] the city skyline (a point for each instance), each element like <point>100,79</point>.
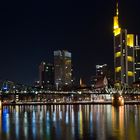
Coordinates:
<point>30,32</point>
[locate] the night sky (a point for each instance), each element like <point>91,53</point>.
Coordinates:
<point>31,30</point>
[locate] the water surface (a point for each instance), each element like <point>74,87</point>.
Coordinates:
<point>70,122</point>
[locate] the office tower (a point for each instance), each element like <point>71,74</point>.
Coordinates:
<point>42,74</point>
<point>46,75</point>
<point>103,77</point>
<point>62,67</point>
<point>49,76</point>
<point>101,70</point>
<point>137,61</point>
<point>123,54</point>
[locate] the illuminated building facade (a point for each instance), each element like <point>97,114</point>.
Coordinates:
<point>62,68</point>
<point>137,61</point>
<point>46,75</point>
<point>124,62</point>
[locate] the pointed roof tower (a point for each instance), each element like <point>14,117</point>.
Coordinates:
<point>116,27</point>
<point>117,9</point>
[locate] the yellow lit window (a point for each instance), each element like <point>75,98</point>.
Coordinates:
<point>130,40</point>
<point>130,73</point>
<point>130,58</point>
<point>117,69</point>
<point>117,54</point>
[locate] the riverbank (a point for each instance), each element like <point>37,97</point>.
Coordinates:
<point>69,103</point>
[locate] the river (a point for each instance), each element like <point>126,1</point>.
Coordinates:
<point>70,122</point>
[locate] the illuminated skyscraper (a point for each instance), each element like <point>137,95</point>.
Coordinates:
<point>137,61</point>
<point>123,54</point>
<point>62,67</point>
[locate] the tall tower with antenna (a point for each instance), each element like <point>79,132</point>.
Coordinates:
<point>123,54</point>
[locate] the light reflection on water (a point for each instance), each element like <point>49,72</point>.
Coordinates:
<point>69,122</point>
